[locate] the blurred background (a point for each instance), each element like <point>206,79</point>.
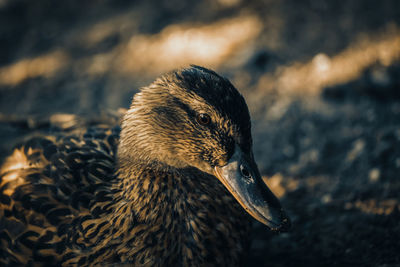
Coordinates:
<point>321,79</point>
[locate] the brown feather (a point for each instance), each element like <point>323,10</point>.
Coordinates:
<point>144,197</point>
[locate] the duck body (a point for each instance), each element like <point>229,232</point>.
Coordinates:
<point>144,196</point>
<point>70,209</point>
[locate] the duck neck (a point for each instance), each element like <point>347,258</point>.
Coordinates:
<point>179,209</point>
<point>148,189</point>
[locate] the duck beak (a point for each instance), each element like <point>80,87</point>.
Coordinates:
<point>243,180</point>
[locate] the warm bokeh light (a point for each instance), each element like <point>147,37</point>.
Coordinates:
<point>376,207</point>
<point>41,66</point>
<point>176,45</point>
<point>323,70</point>
<point>179,45</point>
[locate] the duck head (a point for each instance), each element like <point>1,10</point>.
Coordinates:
<point>195,118</point>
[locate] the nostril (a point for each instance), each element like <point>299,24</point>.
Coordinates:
<point>244,171</point>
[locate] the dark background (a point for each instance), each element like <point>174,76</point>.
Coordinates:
<point>321,78</point>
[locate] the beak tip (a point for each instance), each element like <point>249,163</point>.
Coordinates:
<point>283,226</point>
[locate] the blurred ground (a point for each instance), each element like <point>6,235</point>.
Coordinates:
<point>321,78</point>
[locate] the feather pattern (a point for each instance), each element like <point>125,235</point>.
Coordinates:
<point>142,194</point>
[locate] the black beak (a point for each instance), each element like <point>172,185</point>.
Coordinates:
<point>243,180</point>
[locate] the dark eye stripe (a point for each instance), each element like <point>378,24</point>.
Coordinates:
<point>184,107</point>
<point>201,118</point>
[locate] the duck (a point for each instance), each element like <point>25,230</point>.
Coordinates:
<point>175,184</point>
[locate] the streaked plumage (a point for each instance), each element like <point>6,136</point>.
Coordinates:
<point>147,195</point>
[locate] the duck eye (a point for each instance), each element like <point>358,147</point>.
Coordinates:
<point>203,119</point>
